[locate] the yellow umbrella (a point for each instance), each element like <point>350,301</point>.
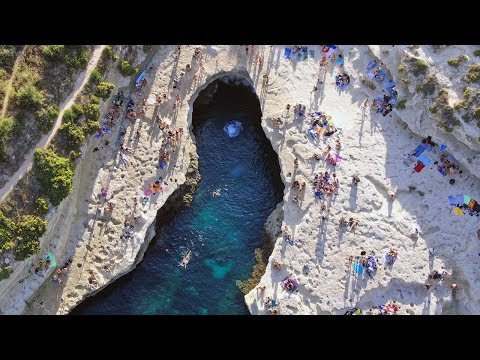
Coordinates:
<point>457,211</point>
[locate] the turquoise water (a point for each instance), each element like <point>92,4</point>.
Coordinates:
<point>222,232</point>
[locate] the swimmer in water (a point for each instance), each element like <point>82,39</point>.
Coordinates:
<point>216,192</point>
<point>186,259</point>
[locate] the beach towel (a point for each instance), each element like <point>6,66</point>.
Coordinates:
<point>299,56</point>
<point>372,64</point>
<point>393,102</point>
<point>287,53</point>
<point>318,194</point>
<point>330,51</point>
<point>312,53</point>
<point>471,203</point>
<point>147,192</point>
<point>392,92</point>
<point>424,159</point>
<point>140,77</point>
<point>466,199</point>
<point>452,200</point>
<point>429,147</point>
<point>389,84</point>
<point>305,56</point>
<point>339,61</point>
<point>459,199</point>
<point>419,167</point>
<point>441,170</point>
<point>358,268</point>
<point>443,147</point>
<point>457,211</point>
<point>381,76</point>
<point>420,149</point>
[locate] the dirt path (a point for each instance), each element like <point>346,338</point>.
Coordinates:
<point>10,82</point>
<point>45,140</point>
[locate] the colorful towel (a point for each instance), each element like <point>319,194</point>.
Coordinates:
<point>358,268</point>
<point>443,147</point>
<point>312,53</point>
<point>287,53</point>
<point>424,159</point>
<point>459,199</point>
<point>466,199</point>
<point>471,203</point>
<point>452,200</point>
<point>457,211</point>
<point>419,167</point>
<point>429,147</point>
<point>420,149</point>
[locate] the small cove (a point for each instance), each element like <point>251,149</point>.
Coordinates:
<point>221,232</point>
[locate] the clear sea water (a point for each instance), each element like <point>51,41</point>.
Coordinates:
<point>222,232</point>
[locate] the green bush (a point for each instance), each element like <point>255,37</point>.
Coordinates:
<point>419,67</point>
<point>92,111</point>
<point>126,69</point>
<point>7,229</point>
<point>95,77</point>
<point>104,89</point>
<point>41,205</point>
<point>5,272</point>
<point>442,92</point>
<point>453,62</point>
<point>77,111</point>
<point>6,128</point>
<point>7,56</point>
<point>77,61</point>
<point>473,73</point>
<point>53,52</point>
<point>466,93</point>
<point>476,53</point>
<point>476,113</point>
<point>108,51</point>
<point>401,67</point>
<point>29,230</point>
<point>433,109</point>
<point>401,104</point>
<point>46,117</point>
<point>91,126</point>
<point>74,155</point>
<point>74,133</point>
<point>458,105</point>
<point>147,48</point>
<point>30,98</point>
<point>55,174</point>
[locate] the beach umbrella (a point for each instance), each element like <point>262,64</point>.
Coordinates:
<point>457,211</point>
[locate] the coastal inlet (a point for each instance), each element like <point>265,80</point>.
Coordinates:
<point>240,186</point>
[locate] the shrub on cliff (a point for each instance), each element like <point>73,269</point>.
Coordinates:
<point>28,232</point>
<point>7,56</point>
<point>45,117</point>
<point>476,53</point>
<point>5,272</point>
<point>109,53</point>
<point>7,228</point>
<point>104,89</point>
<point>473,73</point>
<point>29,97</point>
<point>95,77</point>
<point>41,205</point>
<point>53,52</point>
<point>55,174</point>
<point>401,67</point>
<point>74,134</point>
<point>401,104</point>
<point>126,69</point>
